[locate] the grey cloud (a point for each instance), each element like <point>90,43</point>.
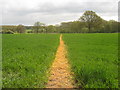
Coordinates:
<point>72,7</point>
<point>119,11</point>
<point>47,10</point>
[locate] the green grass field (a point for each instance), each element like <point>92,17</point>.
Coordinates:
<point>26,59</point>
<point>94,59</point>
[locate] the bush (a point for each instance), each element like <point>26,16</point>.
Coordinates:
<point>30,32</point>
<point>8,32</point>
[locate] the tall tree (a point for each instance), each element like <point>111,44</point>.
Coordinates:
<point>37,26</point>
<point>50,29</point>
<point>91,19</point>
<point>20,29</point>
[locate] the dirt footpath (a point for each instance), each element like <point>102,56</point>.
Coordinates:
<point>60,71</point>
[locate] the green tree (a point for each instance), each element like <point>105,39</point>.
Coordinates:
<point>114,26</point>
<point>91,19</point>
<point>20,29</point>
<point>6,28</point>
<point>38,27</point>
<point>50,29</point>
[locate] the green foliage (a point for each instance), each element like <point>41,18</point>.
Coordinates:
<point>94,59</point>
<point>71,27</point>
<point>6,28</point>
<point>9,29</point>
<point>84,30</point>
<point>89,22</point>
<point>50,29</point>
<point>91,19</point>
<point>27,58</point>
<point>20,29</point>
<point>38,27</point>
<point>7,32</point>
<point>29,31</point>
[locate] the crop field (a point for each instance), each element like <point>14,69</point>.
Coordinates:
<point>27,58</point>
<point>93,59</point>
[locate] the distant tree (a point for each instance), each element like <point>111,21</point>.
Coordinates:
<point>91,19</point>
<point>65,27</point>
<point>57,28</point>
<point>20,29</point>
<point>50,29</point>
<point>77,26</point>
<point>72,27</point>
<point>38,27</point>
<point>113,26</point>
<point>110,26</point>
<point>84,30</point>
<point>6,28</point>
<point>119,27</point>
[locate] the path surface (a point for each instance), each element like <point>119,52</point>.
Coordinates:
<point>60,71</point>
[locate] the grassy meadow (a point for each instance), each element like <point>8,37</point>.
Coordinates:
<point>93,59</point>
<point>26,59</point>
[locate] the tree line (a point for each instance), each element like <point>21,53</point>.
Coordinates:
<point>89,22</point>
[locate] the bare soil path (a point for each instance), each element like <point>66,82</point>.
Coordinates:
<point>60,75</point>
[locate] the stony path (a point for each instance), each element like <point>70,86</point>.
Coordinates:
<point>60,71</point>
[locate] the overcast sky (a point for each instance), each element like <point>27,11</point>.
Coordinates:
<point>54,11</point>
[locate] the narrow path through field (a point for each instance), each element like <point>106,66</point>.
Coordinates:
<point>60,71</point>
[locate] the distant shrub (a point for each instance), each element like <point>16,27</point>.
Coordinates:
<point>29,32</point>
<point>8,32</point>
<point>84,30</point>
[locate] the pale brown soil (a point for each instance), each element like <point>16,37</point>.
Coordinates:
<point>60,75</point>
